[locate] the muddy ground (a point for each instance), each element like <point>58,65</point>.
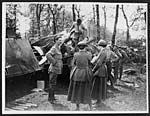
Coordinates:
<point>128,94</point>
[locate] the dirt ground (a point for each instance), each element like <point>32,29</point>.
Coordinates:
<point>129,94</point>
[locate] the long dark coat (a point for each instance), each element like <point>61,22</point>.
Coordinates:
<point>80,79</point>
<point>99,86</point>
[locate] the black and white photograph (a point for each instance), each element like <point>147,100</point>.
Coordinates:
<point>74,58</point>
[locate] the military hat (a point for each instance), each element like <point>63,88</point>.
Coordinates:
<point>102,42</point>
<point>82,43</point>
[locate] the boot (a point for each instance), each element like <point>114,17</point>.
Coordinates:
<point>51,97</point>
<point>77,107</point>
<point>90,106</point>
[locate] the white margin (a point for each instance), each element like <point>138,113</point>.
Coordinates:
<point>3,53</point>
<point>147,79</point>
<point>64,112</point>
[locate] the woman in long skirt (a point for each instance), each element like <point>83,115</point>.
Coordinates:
<point>80,78</point>
<point>99,86</point>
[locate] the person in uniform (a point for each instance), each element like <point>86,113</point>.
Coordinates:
<point>111,57</point>
<point>122,61</point>
<point>118,65</point>
<point>77,32</point>
<point>54,56</point>
<point>99,86</point>
<point>115,64</point>
<point>80,77</point>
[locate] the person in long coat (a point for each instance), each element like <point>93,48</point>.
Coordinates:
<point>80,77</point>
<point>99,86</point>
<point>54,56</point>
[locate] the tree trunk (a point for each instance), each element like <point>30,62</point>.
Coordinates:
<point>128,35</point>
<point>15,21</point>
<point>128,27</point>
<point>33,28</point>
<point>145,16</point>
<point>73,12</point>
<point>48,21</point>
<point>63,18</point>
<point>104,9</point>
<point>98,24</point>
<point>54,25</point>
<point>38,13</point>
<point>115,25</point>
<point>56,21</point>
<point>38,27</point>
<point>94,14</point>
<point>77,11</point>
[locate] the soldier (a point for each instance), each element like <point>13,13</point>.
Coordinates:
<point>77,31</point>
<point>115,64</point>
<point>111,57</point>
<point>123,59</point>
<point>118,66</point>
<point>54,56</point>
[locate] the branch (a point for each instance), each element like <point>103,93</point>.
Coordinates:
<point>60,8</point>
<point>125,16</point>
<point>104,9</point>
<point>37,10</point>
<point>77,10</point>
<point>52,11</point>
<point>135,20</point>
<point>41,7</point>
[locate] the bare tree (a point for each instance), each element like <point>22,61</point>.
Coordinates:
<point>73,12</point>
<point>77,9</point>
<point>104,9</point>
<point>115,25</point>
<point>98,22</point>
<point>53,11</point>
<point>63,17</point>
<point>93,13</point>
<point>145,16</point>
<point>15,16</point>
<point>55,15</point>
<point>39,8</point>
<point>129,25</point>
<point>32,11</point>
<point>48,19</point>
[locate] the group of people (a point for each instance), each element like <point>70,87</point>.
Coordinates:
<point>89,73</point>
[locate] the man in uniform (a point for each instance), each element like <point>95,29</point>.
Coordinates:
<point>115,64</point>
<point>111,57</point>
<point>54,56</point>
<point>77,32</point>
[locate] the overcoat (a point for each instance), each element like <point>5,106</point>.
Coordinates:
<point>80,79</point>
<point>101,69</point>
<point>54,56</point>
<point>99,86</point>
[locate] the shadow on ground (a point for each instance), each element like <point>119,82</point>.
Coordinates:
<point>60,107</point>
<point>112,91</point>
<point>103,107</point>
